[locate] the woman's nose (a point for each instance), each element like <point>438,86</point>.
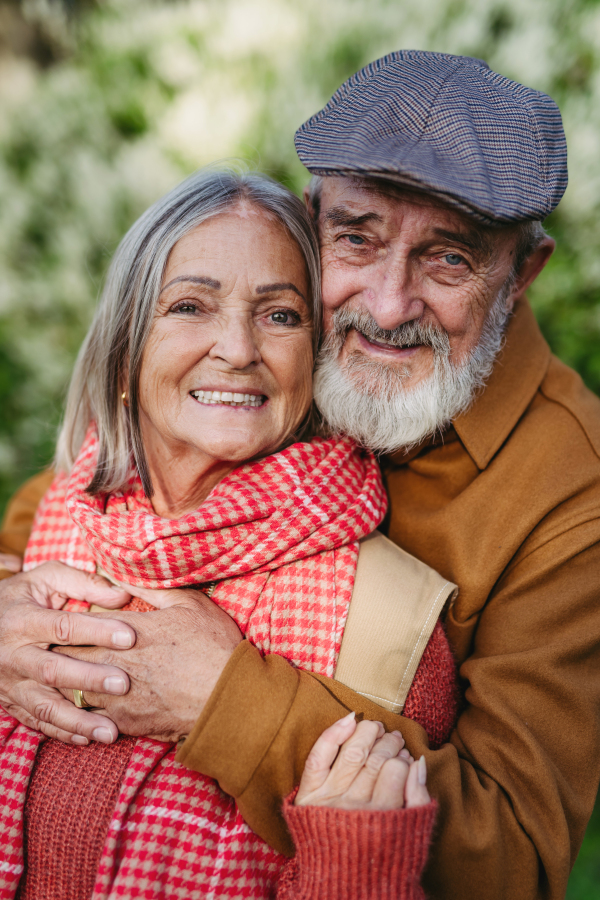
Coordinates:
<point>236,344</point>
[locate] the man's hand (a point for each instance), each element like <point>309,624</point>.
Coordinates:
<point>180,652</point>
<point>30,622</point>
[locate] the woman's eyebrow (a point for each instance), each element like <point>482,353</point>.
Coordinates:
<point>195,279</point>
<point>283,286</point>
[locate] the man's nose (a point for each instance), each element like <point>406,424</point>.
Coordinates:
<point>392,295</point>
<point>236,343</point>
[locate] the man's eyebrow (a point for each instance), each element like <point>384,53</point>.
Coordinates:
<point>194,279</point>
<point>339,215</point>
<point>473,240</point>
<point>283,286</point>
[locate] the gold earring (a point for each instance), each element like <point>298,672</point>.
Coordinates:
<point>124,398</point>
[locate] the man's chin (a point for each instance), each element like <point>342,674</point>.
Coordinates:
<point>374,404</point>
<point>391,404</point>
<point>370,374</point>
<point>410,365</point>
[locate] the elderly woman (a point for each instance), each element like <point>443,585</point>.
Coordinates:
<point>186,459</point>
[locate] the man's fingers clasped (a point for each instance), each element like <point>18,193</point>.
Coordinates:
<point>32,676</point>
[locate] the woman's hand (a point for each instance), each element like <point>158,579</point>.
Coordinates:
<point>360,767</point>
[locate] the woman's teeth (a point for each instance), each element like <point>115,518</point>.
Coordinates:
<point>227,398</point>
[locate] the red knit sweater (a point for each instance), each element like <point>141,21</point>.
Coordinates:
<point>356,854</point>
<point>73,791</point>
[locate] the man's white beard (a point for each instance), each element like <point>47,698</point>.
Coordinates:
<point>368,400</point>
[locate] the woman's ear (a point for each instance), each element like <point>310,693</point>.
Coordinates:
<point>124,385</point>
<point>530,270</point>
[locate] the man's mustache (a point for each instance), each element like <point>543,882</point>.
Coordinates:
<point>409,334</point>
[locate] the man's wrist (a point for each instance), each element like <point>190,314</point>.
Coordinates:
<point>242,716</point>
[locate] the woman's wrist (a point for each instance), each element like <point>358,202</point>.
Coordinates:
<point>359,854</point>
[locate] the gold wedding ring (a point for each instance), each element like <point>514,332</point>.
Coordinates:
<point>80,701</point>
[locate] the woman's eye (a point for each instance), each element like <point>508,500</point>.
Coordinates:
<point>453,259</point>
<point>284,317</point>
<point>184,308</point>
<point>355,239</point>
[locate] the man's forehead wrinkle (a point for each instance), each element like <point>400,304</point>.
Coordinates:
<point>394,191</point>
<point>357,191</point>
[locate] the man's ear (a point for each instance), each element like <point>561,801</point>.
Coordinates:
<point>530,269</point>
<point>307,202</point>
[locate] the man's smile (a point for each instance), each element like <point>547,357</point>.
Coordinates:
<point>381,347</point>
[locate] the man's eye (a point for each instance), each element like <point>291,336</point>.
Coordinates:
<point>453,259</point>
<point>355,239</point>
<point>284,317</point>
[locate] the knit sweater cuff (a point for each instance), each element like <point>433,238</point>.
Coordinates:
<point>357,854</point>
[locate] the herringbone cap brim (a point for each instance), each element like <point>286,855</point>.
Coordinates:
<point>448,125</point>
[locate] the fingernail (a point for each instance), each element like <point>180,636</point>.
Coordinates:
<point>422,771</point>
<point>122,639</point>
<point>104,735</point>
<point>347,719</point>
<point>79,739</point>
<point>114,685</point>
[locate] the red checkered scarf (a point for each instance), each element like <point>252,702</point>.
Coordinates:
<point>280,536</point>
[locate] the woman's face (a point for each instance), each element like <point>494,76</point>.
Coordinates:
<point>227,371</point>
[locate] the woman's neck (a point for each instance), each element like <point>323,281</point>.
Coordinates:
<point>182,477</point>
<point>176,494</point>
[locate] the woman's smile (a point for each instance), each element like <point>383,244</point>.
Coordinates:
<point>241,400</point>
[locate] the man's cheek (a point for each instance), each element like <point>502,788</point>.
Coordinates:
<point>462,318</point>
<point>339,283</point>
<point>327,319</point>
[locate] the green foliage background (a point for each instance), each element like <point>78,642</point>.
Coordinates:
<point>105,105</point>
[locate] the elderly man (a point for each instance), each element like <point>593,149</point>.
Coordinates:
<point>431,177</point>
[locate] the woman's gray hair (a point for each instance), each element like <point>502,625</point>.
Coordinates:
<point>110,358</point>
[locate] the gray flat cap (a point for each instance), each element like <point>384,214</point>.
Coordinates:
<point>447,125</point>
